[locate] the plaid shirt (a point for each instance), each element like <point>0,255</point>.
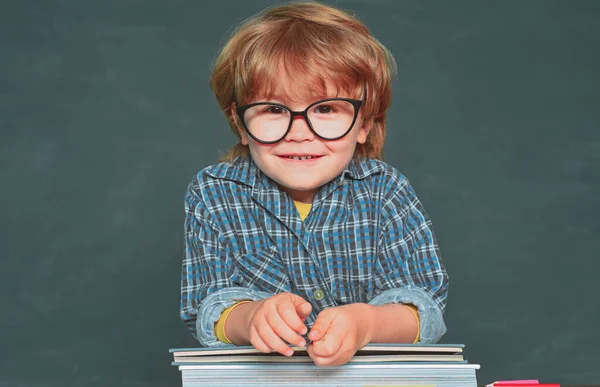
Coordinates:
<point>366,239</point>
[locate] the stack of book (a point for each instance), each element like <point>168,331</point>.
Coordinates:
<point>440,365</point>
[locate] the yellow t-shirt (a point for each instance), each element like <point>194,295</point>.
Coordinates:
<point>303,209</point>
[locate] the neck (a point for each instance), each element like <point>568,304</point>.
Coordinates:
<point>301,196</point>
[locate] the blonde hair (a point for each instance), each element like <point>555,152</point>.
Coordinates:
<point>315,45</point>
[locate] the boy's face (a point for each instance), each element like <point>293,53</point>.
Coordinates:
<point>302,178</point>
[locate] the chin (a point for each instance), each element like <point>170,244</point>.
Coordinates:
<point>301,188</point>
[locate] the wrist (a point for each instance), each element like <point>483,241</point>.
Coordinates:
<point>237,324</point>
<point>367,317</point>
<point>394,323</point>
<point>415,311</point>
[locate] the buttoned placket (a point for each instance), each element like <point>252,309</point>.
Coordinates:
<point>304,272</point>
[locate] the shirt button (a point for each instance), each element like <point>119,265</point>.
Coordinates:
<point>318,295</point>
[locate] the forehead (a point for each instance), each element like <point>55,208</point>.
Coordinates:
<point>301,86</point>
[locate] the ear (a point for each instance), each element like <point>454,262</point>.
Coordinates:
<point>364,131</point>
<point>238,125</point>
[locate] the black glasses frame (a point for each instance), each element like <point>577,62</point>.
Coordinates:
<point>357,103</point>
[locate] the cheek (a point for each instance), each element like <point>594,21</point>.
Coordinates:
<point>343,146</point>
<point>258,150</point>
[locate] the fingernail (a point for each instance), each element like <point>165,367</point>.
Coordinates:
<point>303,331</point>
<point>302,343</point>
<point>289,352</point>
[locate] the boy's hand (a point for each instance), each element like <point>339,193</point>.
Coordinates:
<point>339,332</point>
<point>278,318</point>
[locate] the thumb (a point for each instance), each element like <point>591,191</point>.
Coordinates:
<point>321,326</point>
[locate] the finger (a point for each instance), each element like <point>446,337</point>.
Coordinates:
<point>322,361</point>
<point>303,307</point>
<point>257,341</point>
<point>297,300</point>
<point>328,345</point>
<point>289,314</point>
<point>281,327</point>
<point>274,341</point>
<point>310,352</point>
<point>330,361</point>
<point>304,310</point>
<point>333,341</point>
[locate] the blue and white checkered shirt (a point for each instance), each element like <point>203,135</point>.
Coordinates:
<point>366,239</point>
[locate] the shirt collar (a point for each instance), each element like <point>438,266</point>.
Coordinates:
<point>244,170</point>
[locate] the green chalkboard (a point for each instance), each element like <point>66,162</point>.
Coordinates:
<point>106,114</point>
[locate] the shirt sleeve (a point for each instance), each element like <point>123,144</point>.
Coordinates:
<point>409,268</point>
<point>208,279</point>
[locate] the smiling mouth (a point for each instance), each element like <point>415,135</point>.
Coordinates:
<point>299,158</point>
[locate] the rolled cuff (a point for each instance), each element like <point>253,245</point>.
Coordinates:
<point>430,315</point>
<point>213,305</point>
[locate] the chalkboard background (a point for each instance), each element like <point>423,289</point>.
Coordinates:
<point>106,114</point>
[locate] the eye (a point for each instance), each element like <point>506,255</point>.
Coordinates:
<point>273,109</point>
<point>324,109</point>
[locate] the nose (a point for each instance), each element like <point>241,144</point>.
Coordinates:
<point>300,131</point>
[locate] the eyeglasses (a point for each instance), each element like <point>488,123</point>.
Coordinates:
<point>329,119</point>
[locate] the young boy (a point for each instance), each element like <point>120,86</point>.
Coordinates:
<point>301,235</point>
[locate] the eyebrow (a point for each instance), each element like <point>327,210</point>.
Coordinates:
<point>284,99</point>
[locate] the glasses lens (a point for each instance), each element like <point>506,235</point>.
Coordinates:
<point>267,122</point>
<point>331,119</point>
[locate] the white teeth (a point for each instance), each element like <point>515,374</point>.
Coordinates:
<point>301,157</point>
